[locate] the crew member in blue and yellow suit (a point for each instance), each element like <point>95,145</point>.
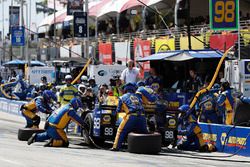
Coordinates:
<point>56,124</point>
<point>67,92</point>
<point>39,104</point>
<point>189,127</point>
<point>154,81</point>
<point>208,109</point>
<point>134,120</point>
<point>226,103</point>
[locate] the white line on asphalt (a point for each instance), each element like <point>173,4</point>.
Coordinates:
<point>11,162</point>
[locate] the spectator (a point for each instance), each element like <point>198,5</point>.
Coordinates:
<point>194,83</point>
<point>130,74</point>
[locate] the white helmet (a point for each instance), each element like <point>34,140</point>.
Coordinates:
<point>84,78</point>
<point>68,77</point>
<point>82,88</point>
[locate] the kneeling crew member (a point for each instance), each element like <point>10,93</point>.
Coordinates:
<point>39,104</point>
<point>134,120</point>
<point>56,124</point>
<point>192,130</point>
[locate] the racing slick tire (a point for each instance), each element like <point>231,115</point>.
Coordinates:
<point>89,133</point>
<point>144,143</point>
<point>25,133</point>
<point>242,113</point>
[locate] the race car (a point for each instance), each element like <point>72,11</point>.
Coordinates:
<point>103,123</point>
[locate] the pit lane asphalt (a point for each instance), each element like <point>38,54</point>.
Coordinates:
<point>14,153</point>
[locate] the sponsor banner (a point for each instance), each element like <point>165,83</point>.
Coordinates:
<point>74,6</point>
<point>64,51</point>
<point>163,45</point>
<point>103,73</point>
<point>227,139</point>
<point>105,53</point>
<point>194,43</point>
<point>35,74</point>
<point>11,106</point>
<point>122,52</point>
<point>142,49</point>
<point>223,41</point>
<point>76,51</point>
<point>14,17</point>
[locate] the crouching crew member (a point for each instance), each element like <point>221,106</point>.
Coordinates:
<point>134,120</point>
<point>191,129</point>
<point>39,104</point>
<point>56,124</point>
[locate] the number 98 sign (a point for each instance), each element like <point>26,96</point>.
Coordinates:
<point>224,14</point>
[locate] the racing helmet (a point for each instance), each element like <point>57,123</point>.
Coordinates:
<point>76,103</point>
<point>184,108</point>
<point>84,78</point>
<point>130,87</point>
<point>140,83</point>
<point>82,88</point>
<point>68,77</point>
<point>48,95</point>
<point>216,86</point>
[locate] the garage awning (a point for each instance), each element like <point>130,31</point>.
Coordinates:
<point>182,55</point>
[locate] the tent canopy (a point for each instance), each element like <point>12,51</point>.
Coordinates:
<point>182,55</point>
<point>22,62</point>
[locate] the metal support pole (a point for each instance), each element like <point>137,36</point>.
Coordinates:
<point>86,43</point>
<point>55,42</point>
<point>188,25</point>
<point>22,24</point>
<point>117,24</point>
<point>3,59</point>
<point>11,50</point>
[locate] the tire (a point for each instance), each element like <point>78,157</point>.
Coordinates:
<point>144,143</point>
<point>89,121</point>
<point>25,133</point>
<point>242,113</point>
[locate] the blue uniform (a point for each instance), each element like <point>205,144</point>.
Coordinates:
<point>154,82</point>
<point>56,124</point>
<point>208,109</point>
<point>147,95</point>
<point>30,109</point>
<point>134,120</point>
<point>226,103</point>
<point>192,130</point>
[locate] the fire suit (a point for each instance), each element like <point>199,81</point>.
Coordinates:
<point>226,103</point>
<point>134,120</point>
<point>56,124</point>
<point>30,110</point>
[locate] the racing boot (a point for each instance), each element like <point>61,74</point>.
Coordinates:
<point>114,149</point>
<point>31,139</point>
<point>204,148</point>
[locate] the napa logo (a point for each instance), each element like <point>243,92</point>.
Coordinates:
<point>102,73</point>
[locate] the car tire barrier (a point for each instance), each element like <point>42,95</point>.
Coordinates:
<point>25,133</point>
<point>242,113</point>
<point>144,143</point>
